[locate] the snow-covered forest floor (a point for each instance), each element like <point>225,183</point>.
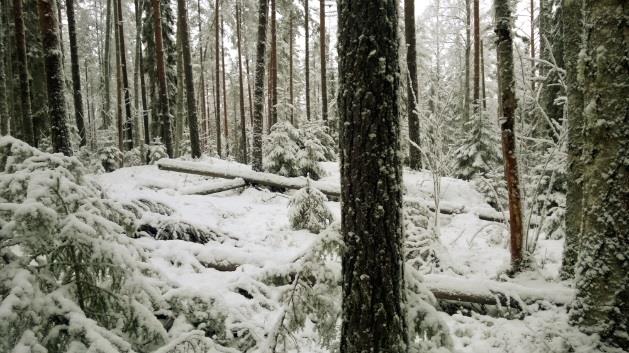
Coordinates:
<point>254,238</point>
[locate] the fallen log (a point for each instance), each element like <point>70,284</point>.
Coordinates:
<point>214,187</point>
<point>281,182</point>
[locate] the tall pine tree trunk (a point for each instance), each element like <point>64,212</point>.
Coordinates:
<point>532,42</point>
<point>193,125</point>
<point>468,44</point>
<point>164,110</point>
<point>128,123</point>
<point>602,269</point>
<point>4,113</point>
<point>217,78</point>
<point>119,99</point>
<point>145,112</point>
<point>413,87</point>
<point>27,133</point>
<point>290,68</point>
<point>243,129</point>
<point>574,188</point>
<point>482,76</point>
<point>76,73</point>
<point>504,44</point>
<point>204,116</point>
<point>106,109</point>
<point>476,88</point>
<point>324,80</point>
<point>307,56</point>
<point>179,110</point>
<point>225,125</point>
<point>54,77</point>
<point>273,67</point>
<point>374,317</point>
<point>258,111</point>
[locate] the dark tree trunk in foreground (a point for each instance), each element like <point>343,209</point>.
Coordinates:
<point>572,18</point>
<point>601,273</point>
<point>243,129</point>
<point>76,73</point>
<point>4,113</point>
<point>54,77</point>
<point>162,100</point>
<point>371,177</point>
<point>258,106</point>
<point>128,122</point>
<point>193,124</point>
<point>21,65</point>
<point>504,44</point>
<point>413,88</point>
<point>324,80</point>
<point>307,57</point>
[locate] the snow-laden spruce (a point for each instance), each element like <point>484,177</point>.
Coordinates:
<point>308,210</point>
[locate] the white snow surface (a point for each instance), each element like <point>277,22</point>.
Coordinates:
<point>258,224</point>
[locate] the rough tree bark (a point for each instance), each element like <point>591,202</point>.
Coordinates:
<point>307,56</point>
<point>222,56</point>
<point>413,87</point>
<point>128,122</point>
<point>217,78</point>
<point>4,113</point>
<point>241,91</point>
<point>290,68</point>
<point>164,114</point>
<point>504,43</point>
<point>106,79</point>
<point>574,189</point>
<point>54,77</point>
<point>371,175</point>
<point>476,87</point>
<point>76,73</point>
<point>193,124</point>
<point>21,65</point>
<point>602,269</point>
<point>468,44</point>
<point>324,80</point>
<point>273,66</point>
<point>258,109</point>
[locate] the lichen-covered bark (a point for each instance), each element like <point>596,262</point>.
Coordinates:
<point>371,178</point>
<point>413,88</point>
<point>22,68</point>
<point>76,73</point>
<point>191,103</point>
<point>602,270</point>
<point>258,100</point>
<point>54,77</point>
<point>504,44</point>
<point>572,45</point>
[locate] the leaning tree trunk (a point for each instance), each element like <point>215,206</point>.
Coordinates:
<point>413,87</point>
<point>572,18</point>
<point>371,177</point>
<point>504,44</point>
<point>76,73</point>
<point>193,124</point>
<point>324,80</point>
<point>27,133</point>
<point>307,57</point>
<point>128,123</point>
<point>243,128</point>
<point>163,106</point>
<point>258,109</point>
<point>602,280</point>
<point>54,77</point>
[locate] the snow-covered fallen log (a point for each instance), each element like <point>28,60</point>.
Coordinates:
<point>278,181</point>
<point>488,292</point>
<point>213,187</point>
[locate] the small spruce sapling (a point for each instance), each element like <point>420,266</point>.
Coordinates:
<point>281,150</point>
<point>308,210</point>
